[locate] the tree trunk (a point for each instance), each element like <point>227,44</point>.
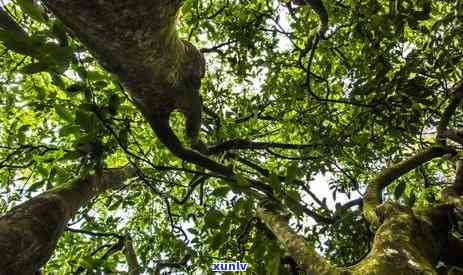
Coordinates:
<point>29,232</point>
<point>137,41</point>
<point>407,242</point>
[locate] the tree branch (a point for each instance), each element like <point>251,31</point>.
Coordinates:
<point>243,144</point>
<point>311,213</point>
<point>373,197</point>
<point>454,135</point>
<point>304,254</point>
<point>129,252</point>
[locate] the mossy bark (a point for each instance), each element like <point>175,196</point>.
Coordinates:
<point>306,257</point>
<point>29,231</point>
<point>407,242</point>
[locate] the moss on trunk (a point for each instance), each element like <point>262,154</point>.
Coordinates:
<point>407,242</point>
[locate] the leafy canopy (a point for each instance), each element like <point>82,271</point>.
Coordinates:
<point>366,95</point>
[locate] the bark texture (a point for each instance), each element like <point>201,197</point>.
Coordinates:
<point>137,41</point>
<point>306,257</point>
<point>29,232</point>
<point>132,261</point>
<point>407,242</point>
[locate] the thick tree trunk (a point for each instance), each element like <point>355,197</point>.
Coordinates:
<point>137,41</point>
<point>407,242</point>
<point>29,232</point>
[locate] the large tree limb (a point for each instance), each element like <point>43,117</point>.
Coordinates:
<point>29,231</point>
<point>452,134</point>
<point>373,196</point>
<point>453,252</point>
<point>138,42</point>
<point>319,8</point>
<point>304,254</point>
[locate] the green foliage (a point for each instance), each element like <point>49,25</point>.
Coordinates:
<point>370,94</point>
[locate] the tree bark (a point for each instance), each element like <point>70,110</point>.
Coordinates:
<point>29,232</point>
<point>131,256</point>
<point>407,242</point>
<point>373,197</point>
<point>137,41</point>
<point>305,255</point>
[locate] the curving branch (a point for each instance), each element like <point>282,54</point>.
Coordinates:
<point>373,196</point>
<point>319,8</point>
<point>137,41</point>
<point>93,234</point>
<point>311,213</point>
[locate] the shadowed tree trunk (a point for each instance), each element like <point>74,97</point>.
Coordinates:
<point>29,232</point>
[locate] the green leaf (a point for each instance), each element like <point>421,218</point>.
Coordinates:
<point>17,42</point>
<point>62,111</point>
<point>70,130</point>
<point>86,120</point>
<point>292,172</point>
<point>399,189</point>
<point>42,171</point>
<point>273,261</point>
<point>32,10</point>
<point>241,181</point>
<point>114,103</point>
<point>76,87</point>
<point>58,81</point>
<point>36,185</point>
<point>220,192</point>
<point>213,218</point>
<point>218,240</point>
<point>275,182</point>
<point>293,195</point>
<point>72,155</point>
<point>115,205</point>
<point>59,32</point>
<point>24,128</point>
